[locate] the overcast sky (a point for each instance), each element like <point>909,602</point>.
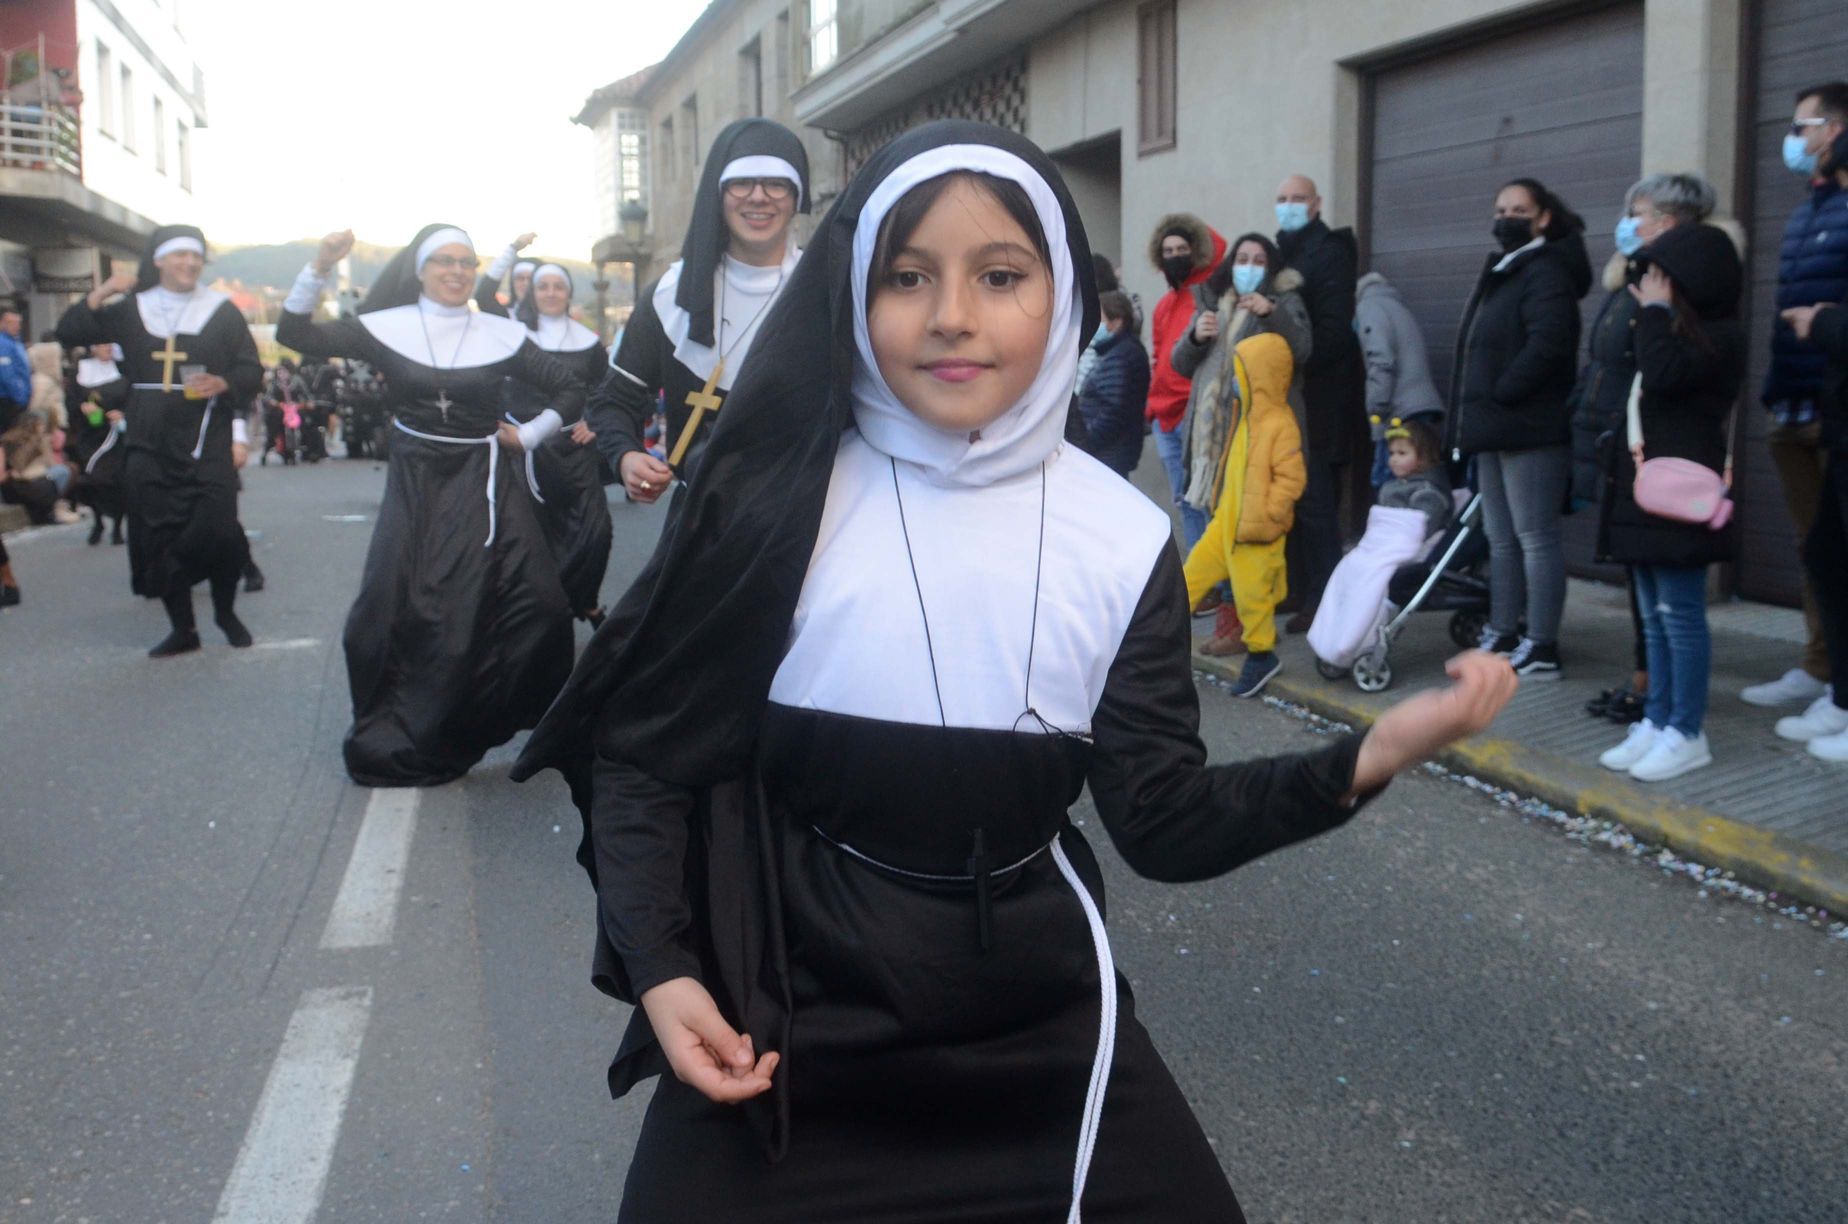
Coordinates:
<point>383,115</point>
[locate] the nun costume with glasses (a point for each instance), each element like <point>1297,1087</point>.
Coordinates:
<point>826,746</point>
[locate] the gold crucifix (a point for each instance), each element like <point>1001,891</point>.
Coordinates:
<point>167,357</point>
<point>701,402</point>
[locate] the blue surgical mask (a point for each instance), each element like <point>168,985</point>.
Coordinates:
<point>1628,240</point>
<point>1247,277</point>
<point>1292,216</point>
<point>1799,159</point>
<point>1103,334</point>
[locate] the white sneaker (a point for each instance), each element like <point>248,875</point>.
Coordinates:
<point>1823,717</point>
<point>1830,747</point>
<point>1635,747</point>
<point>1672,755</point>
<point>1788,689</point>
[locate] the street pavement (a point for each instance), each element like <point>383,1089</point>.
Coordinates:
<point>235,986</point>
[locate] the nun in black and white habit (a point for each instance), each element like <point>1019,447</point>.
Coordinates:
<point>826,746</point>
<point>461,633</point>
<point>694,329</point>
<point>567,471</point>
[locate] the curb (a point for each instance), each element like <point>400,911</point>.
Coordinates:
<point>1762,857</point>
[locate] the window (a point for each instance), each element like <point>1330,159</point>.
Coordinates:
<point>824,35</point>
<point>751,80</point>
<point>183,140</point>
<point>105,91</point>
<point>160,136</point>
<point>667,147</point>
<point>780,59</point>
<point>690,113</point>
<point>629,165</point>
<point>1155,77</point>
<point>128,108</point>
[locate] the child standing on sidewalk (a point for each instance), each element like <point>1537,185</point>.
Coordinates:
<point>1264,476</point>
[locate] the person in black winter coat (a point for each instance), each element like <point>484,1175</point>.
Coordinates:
<point>1517,355</point>
<point>1690,364</point>
<point>1117,388</point>
<point>1653,206</point>
<point>1333,381</point>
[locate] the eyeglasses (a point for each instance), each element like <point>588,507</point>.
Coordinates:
<point>1796,129</point>
<point>442,263</point>
<point>774,188</point>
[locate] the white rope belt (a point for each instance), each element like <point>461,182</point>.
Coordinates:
<point>105,448</point>
<point>532,477</point>
<point>492,443</point>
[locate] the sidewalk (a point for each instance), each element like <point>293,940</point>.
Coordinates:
<point>1765,809</point>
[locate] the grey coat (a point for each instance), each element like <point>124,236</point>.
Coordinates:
<point>1398,367</point>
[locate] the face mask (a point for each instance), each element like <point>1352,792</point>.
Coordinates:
<point>1513,232</point>
<point>1628,240</point>
<point>1292,216</point>
<point>1796,157</point>
<point>1247,277</point>
<point>1177,268</point>
<point>1103,333</point>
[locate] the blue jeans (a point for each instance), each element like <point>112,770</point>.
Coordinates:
<point>1193,521</point>
<point>1673,599</point>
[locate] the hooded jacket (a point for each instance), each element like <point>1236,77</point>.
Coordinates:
<point>1517,350</point>
<point>1112,400</point>
<point>1398,365</point>
<point>1603,387</point>
<point>1689,386</point>
<point>1261,493</point>
<point>1328,261</point>
<point>1168,390</point>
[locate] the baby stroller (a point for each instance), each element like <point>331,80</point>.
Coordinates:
<point>1456,583</point>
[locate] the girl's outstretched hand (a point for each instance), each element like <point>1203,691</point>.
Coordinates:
<point>704,1052</point>
<point>1417,728</point>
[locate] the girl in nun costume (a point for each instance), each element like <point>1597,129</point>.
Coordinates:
<point>461,634</point>
<point>192,368</point>
<point>829,738</point>
<point>693,329</point>
<point>567,471</point>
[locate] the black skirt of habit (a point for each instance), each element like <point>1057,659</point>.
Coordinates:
<point>576,515</point>
<point>453,645</point>
<point>931,1079</point>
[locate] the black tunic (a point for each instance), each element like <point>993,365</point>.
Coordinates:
<point>178,471</point>
<point>575,510</point>
<point>624,402</point>
<point>461,634</point>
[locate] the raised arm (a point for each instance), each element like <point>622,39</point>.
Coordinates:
<point>89,322</point>
<point>296,328</point>
<point>488,287</point>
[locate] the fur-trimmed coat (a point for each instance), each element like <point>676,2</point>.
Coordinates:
<point>1169,390</point>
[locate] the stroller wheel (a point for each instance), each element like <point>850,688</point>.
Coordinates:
<point>1328,671</point>
<point>1372,674</point>
<point>1466,628</point>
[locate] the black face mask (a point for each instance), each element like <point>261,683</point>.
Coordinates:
<point>1177,268</point>
<point>1513,232</point>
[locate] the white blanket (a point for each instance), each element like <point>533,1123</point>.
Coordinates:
<point>1351,606</point>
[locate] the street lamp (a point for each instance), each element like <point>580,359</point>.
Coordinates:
<point>632,230</point>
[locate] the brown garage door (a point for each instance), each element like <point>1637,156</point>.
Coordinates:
<point>1560,102</point>
<point>1799,43</point>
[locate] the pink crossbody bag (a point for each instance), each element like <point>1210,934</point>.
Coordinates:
<point>1678,489</point>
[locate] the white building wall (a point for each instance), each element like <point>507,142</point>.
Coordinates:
<point>111,168</point>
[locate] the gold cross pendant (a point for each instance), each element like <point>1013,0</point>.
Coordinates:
<point>701,402</point>
<point>168,357</point>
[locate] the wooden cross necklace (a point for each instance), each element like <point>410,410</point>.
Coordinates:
<point>706,398</point>
<point>443,402</point>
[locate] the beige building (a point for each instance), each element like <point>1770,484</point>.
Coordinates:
<point>1409,116</point>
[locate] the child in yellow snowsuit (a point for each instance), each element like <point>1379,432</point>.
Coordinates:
<point>1264,475</point>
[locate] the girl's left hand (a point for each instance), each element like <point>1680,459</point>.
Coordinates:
<point>1654,289</point>
<point>1257,304</point>
<point>1422,725</point>
<point>510,437</point>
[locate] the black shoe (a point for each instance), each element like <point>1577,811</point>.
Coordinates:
<point>115,534</point>
<point>1257,672</point>
<point>1300,622</point>
<point>595,617</point>
<point>1600,706</point>
<point>1625,708</point>
<point>253,579</point>
<point>232,628</point>
<point>180,641</point>
<point>1533,660</point>
<point>1497,643</point>
<point>9,597</point>
<point>96,532</point>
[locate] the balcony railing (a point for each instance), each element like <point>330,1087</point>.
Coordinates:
<point>39,136</point>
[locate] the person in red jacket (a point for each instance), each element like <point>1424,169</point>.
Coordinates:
<point>1185,250</point>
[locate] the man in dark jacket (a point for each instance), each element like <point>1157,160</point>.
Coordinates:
<point>1812,268</point>
<point>1117,389</point>
<point>1333,383</point>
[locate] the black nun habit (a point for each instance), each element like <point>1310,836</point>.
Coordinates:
<point>461,632</point>
<point>828,743</point>
<point>694,328</point>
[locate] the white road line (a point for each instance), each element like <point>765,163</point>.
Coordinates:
<point>281,1170</point>
<point>289,644</point>
<point>367,906</point>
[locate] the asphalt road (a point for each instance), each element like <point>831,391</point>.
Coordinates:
<point>1446,1011</point>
